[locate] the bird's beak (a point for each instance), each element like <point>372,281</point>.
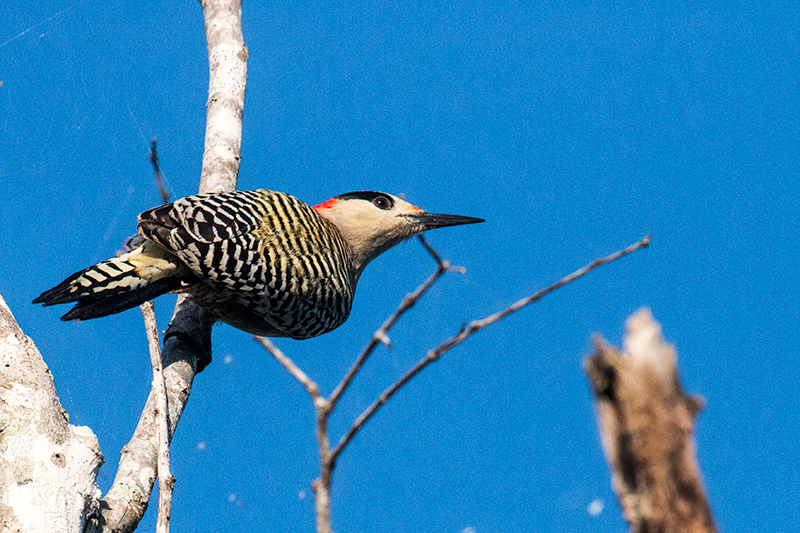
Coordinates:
<point>435,220</point>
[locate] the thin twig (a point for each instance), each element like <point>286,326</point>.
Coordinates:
<point>165,480</point>
<point>322,405</point>
<point>157,170</point>
<point>473,327</point>
<point>478,325</point>
<point>311,387</point>
<point>436,257</point>
<point>380,336</point>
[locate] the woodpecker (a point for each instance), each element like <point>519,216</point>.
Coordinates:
<point>261,261</point>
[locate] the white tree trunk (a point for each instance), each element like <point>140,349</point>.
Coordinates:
<point>48,467</point>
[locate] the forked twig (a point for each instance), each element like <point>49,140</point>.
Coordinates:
<point>380,336</point>
<point>324,406</point>
<point>464,334</point>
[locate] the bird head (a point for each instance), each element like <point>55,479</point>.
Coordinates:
<point>372,222</point>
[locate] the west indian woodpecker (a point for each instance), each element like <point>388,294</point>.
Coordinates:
<point>261,261</point>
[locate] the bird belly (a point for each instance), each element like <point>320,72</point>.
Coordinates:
<point>299,316</point>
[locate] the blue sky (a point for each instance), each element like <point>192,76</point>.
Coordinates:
<point>574,129</point>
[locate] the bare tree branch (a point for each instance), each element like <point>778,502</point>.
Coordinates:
<point>474,327</point>
<point>646,422</point>
<point>380,336</point>
<point>324,406</point>
<point>227,83</point>
<point>166,481</point>
<point>187,342</point>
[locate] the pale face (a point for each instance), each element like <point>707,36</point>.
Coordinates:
<point>372,222</point>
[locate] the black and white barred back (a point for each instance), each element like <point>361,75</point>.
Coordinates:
<point>262,261</point>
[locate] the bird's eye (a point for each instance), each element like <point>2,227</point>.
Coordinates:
<point>381,202</point>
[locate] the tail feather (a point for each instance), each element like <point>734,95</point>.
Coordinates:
<point>117,284</point>
<point>101,305</point>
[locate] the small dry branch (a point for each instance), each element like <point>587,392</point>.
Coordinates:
<point>324,406</point>
<point>187,342</point>
<point>646,422</point>
<point>471,329</point>
<point>166,482</point>
<point>381,335</point>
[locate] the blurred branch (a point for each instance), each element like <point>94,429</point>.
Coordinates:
<point>187,341</point>
<point>646,423</point>
<point>157,171</point>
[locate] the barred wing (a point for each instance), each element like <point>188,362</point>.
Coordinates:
<point>267,252</point>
